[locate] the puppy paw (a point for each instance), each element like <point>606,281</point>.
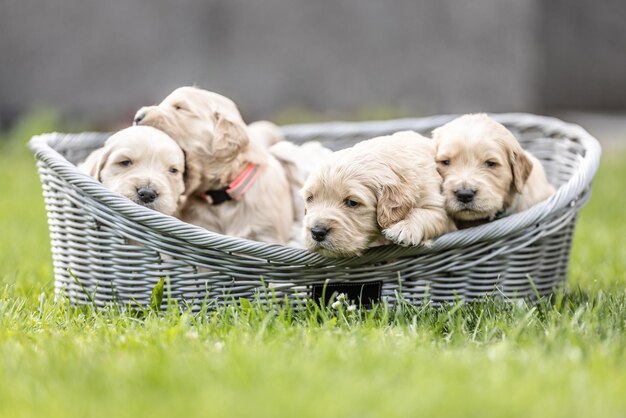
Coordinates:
<point>404,233</point>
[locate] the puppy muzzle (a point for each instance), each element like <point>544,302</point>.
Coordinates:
<point>147,194</point>
<point>148,115</point>
<point>465,195</point>
<point>319,233</point>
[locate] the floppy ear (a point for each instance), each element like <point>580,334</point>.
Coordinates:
<point>521,166</point>
<point>394,202</point>
<point>95,162</point>
<point>230,139</point>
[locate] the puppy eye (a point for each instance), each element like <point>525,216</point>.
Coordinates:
<point>444,162</point>
<point>125,163</point>
<point>173,170</point>
<point>491,164</point>
<point>351,203</point>
<point>309,199</point>
<point>178,107</point>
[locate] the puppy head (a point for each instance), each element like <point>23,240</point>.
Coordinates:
<point>347,203</point>
<point>482,165</point>
<point>207,126</point>
<point>144,165</point>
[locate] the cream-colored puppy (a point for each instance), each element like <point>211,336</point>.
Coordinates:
<point>144,165</point>
<point>486,173</point>
<point>234,185</point>
<point>386,188</point>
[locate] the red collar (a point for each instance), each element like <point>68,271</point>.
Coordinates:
<point>236,189</point>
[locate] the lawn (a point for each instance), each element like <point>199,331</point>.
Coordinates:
<point>561,359</point>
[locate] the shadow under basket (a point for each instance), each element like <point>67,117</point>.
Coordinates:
<point>107,250</point>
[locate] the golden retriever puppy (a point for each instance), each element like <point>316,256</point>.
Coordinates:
<point>386,188</point>
<point>234,184</point>
<point>486,173</point>
<point>144,165</point>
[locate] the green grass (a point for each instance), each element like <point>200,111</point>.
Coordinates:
<point>566,358</point>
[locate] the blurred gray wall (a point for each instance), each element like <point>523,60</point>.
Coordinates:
<point>584,54</point>
<point>100,60</point>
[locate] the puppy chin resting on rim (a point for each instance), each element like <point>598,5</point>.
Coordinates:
<point>142,164</point>
<point>486,173</point>
<point>382,190</point>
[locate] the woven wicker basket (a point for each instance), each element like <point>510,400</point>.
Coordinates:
<point>516,257</point>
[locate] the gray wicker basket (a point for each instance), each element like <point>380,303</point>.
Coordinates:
<point>91,231</point>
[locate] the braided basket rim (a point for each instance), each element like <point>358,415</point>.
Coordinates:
<point>567,193</point>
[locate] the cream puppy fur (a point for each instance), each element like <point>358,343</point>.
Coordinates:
<point>386,188</point>
<point>265,133</point>
<point>299,161</point>
<point>486,173</point>
<point>211,131</point>
<point>144,165</point>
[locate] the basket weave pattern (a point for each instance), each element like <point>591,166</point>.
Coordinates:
<point>118,251</point>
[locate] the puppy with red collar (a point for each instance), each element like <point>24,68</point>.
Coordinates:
<point>234,184</point>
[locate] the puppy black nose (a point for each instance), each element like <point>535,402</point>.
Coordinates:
<point>146,194</point>
<point>318,233</point>
<point>464,195</point>
<point>139,117</point>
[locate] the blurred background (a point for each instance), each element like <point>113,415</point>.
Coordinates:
<point>95,62</point>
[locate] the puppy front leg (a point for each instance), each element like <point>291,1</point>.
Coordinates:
<point>420,226</point>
